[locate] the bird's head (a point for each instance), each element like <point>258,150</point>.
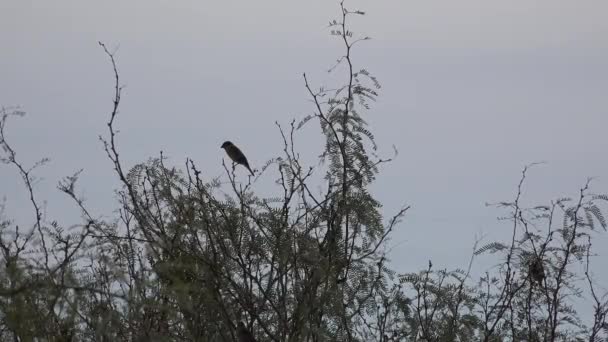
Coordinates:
<point>226,144</point>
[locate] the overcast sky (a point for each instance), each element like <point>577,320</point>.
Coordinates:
<point>472,91</point>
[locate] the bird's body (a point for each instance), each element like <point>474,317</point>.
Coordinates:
<point>244,334</point>
<point>236,155</point>
<point>537,271</point>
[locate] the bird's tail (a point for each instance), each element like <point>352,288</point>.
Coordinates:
<point>250,170</point>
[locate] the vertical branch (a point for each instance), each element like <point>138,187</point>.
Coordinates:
<point>508,291</point>
<point>27,180</point>
<point>567,252</point>
<point>600,308</point>
<point>345,130</point>
<point>112,149</point>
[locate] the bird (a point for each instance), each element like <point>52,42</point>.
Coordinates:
<point>236,155</point>
<point>537,271</point>
<point>244,334</point>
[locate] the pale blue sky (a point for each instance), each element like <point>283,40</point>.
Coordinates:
<point>472,91</point>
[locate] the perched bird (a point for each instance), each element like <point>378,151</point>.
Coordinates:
<point>244,334</point>
<point>236,155</point>
<point>537,271</point>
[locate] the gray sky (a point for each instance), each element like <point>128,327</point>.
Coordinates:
<point>472,91</point>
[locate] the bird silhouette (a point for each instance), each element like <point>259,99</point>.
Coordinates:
<point>244,334</point>
<point>537,271</point>
<point>236,155</point>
